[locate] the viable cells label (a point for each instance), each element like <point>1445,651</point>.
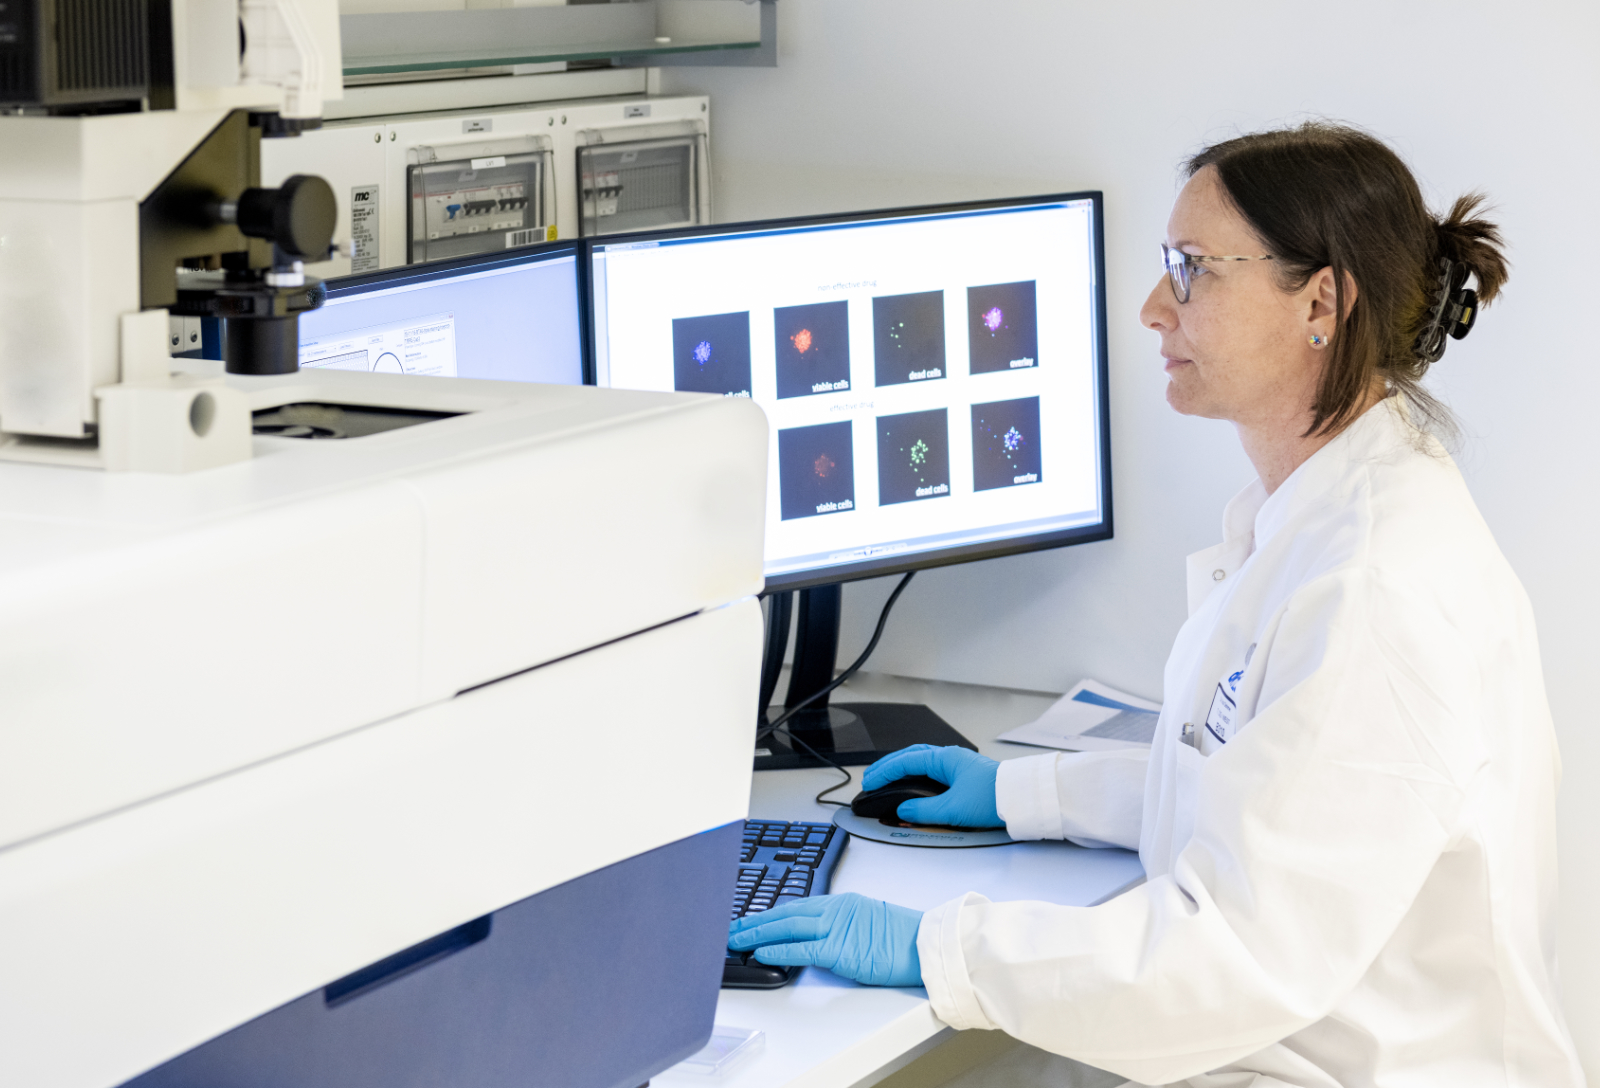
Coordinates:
<point>811,345</point>
<point>426,347</point>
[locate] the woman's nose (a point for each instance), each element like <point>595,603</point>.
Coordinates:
<point>1159,311</point>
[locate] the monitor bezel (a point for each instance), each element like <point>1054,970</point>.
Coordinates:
<point>970,553</point>
<point>363,282</point>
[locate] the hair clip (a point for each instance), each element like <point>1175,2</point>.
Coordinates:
<point>1453,313</point>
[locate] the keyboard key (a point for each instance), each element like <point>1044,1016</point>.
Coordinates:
<point>800,859</point>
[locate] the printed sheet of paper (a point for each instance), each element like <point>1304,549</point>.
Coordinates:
<point>1092,718</point>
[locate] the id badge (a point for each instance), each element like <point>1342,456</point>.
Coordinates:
<point>1220,718</point>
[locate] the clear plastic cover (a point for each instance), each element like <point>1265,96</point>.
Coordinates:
<point>728,1046</point>
<point>479,205</point>
<point>644,185</point>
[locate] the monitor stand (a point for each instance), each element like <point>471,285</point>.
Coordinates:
<point>849,734</point>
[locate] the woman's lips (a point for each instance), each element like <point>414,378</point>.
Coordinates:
<point>1173,364</point>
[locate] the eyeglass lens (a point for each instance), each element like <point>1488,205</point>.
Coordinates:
<point>1177,265</point>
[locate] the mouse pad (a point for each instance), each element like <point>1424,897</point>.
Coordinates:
<point>867,827</point>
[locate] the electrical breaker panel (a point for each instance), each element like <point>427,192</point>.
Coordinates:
<point>479,198</point>
<point>429,186</point>
<point>644,178</point>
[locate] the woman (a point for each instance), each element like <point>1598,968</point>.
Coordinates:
<point>1347,817</point>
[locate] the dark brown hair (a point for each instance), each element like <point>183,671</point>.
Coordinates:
<point>1322,195</point>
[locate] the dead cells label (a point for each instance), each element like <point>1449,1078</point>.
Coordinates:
<point>913,456</point>
<point>908,337</point>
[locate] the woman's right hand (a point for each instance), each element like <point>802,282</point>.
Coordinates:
<point>970,800</point>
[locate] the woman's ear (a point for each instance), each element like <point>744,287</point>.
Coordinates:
<point>1322,301</point>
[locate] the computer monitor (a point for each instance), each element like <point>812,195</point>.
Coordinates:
<point>935,379</point>
<point>512,315</point>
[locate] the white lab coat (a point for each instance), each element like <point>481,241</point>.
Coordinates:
<point>1352,873</point>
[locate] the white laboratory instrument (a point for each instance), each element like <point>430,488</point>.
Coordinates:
<point>432,186</point>
<point>334,761</point>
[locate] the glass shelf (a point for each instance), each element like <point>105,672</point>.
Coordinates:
<point>395,64</point>
<point>405,42</point>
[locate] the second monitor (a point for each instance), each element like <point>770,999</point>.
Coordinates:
<point>511,315</point>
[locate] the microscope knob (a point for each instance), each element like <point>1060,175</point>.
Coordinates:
<point>299,216</point>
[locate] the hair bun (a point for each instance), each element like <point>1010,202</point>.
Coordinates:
<point>1467,239</point>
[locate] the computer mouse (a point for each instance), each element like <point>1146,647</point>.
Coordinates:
<point>885,800</point>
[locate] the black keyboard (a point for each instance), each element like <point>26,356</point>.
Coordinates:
<point>780,862</point>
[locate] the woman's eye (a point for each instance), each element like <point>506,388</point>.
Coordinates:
<point>1198,269</point>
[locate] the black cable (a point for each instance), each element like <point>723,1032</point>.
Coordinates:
<point>848,778</point>
<point>883,618</point>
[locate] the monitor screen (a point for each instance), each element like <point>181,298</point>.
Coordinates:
<point>509,315</point>
<point>934,378</point>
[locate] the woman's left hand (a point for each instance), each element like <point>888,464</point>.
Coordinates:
<point>863,939</point>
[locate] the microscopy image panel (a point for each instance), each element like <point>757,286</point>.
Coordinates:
<point>1005,443</point>
<point>1002,327</point>
<point>908,337</point>
<point>711,354</point>
<point>812,345</point>
<point>816,470</point>
<point>913,456</point>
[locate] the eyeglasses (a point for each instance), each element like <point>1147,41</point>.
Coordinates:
<point>1180,265</point>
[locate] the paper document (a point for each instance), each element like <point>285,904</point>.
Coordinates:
<point>1092,718</point>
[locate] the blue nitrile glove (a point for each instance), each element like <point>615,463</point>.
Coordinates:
<point>969,802</point>
<point>858,938</point>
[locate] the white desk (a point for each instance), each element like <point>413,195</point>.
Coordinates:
<point>825,1032</point>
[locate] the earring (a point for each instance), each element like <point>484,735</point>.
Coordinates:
<point>1318,341</point>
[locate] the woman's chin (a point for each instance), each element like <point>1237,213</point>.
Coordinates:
<point>1180,399</point>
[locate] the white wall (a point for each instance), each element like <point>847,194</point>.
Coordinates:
<point>891,102</point>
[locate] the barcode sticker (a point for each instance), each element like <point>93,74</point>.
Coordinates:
<point>530,236</point>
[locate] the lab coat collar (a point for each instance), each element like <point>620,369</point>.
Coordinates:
<point>1326,474</point>
<point>1252,517</point>
<point>1210,568</point>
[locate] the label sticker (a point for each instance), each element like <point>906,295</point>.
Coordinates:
<point>364,228</point>
<point>530,236</point>
<point>489,163</point>
<point>1220,718</point>
<point>480,124</point>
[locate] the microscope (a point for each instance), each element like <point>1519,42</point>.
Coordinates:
<point>413,757</point>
